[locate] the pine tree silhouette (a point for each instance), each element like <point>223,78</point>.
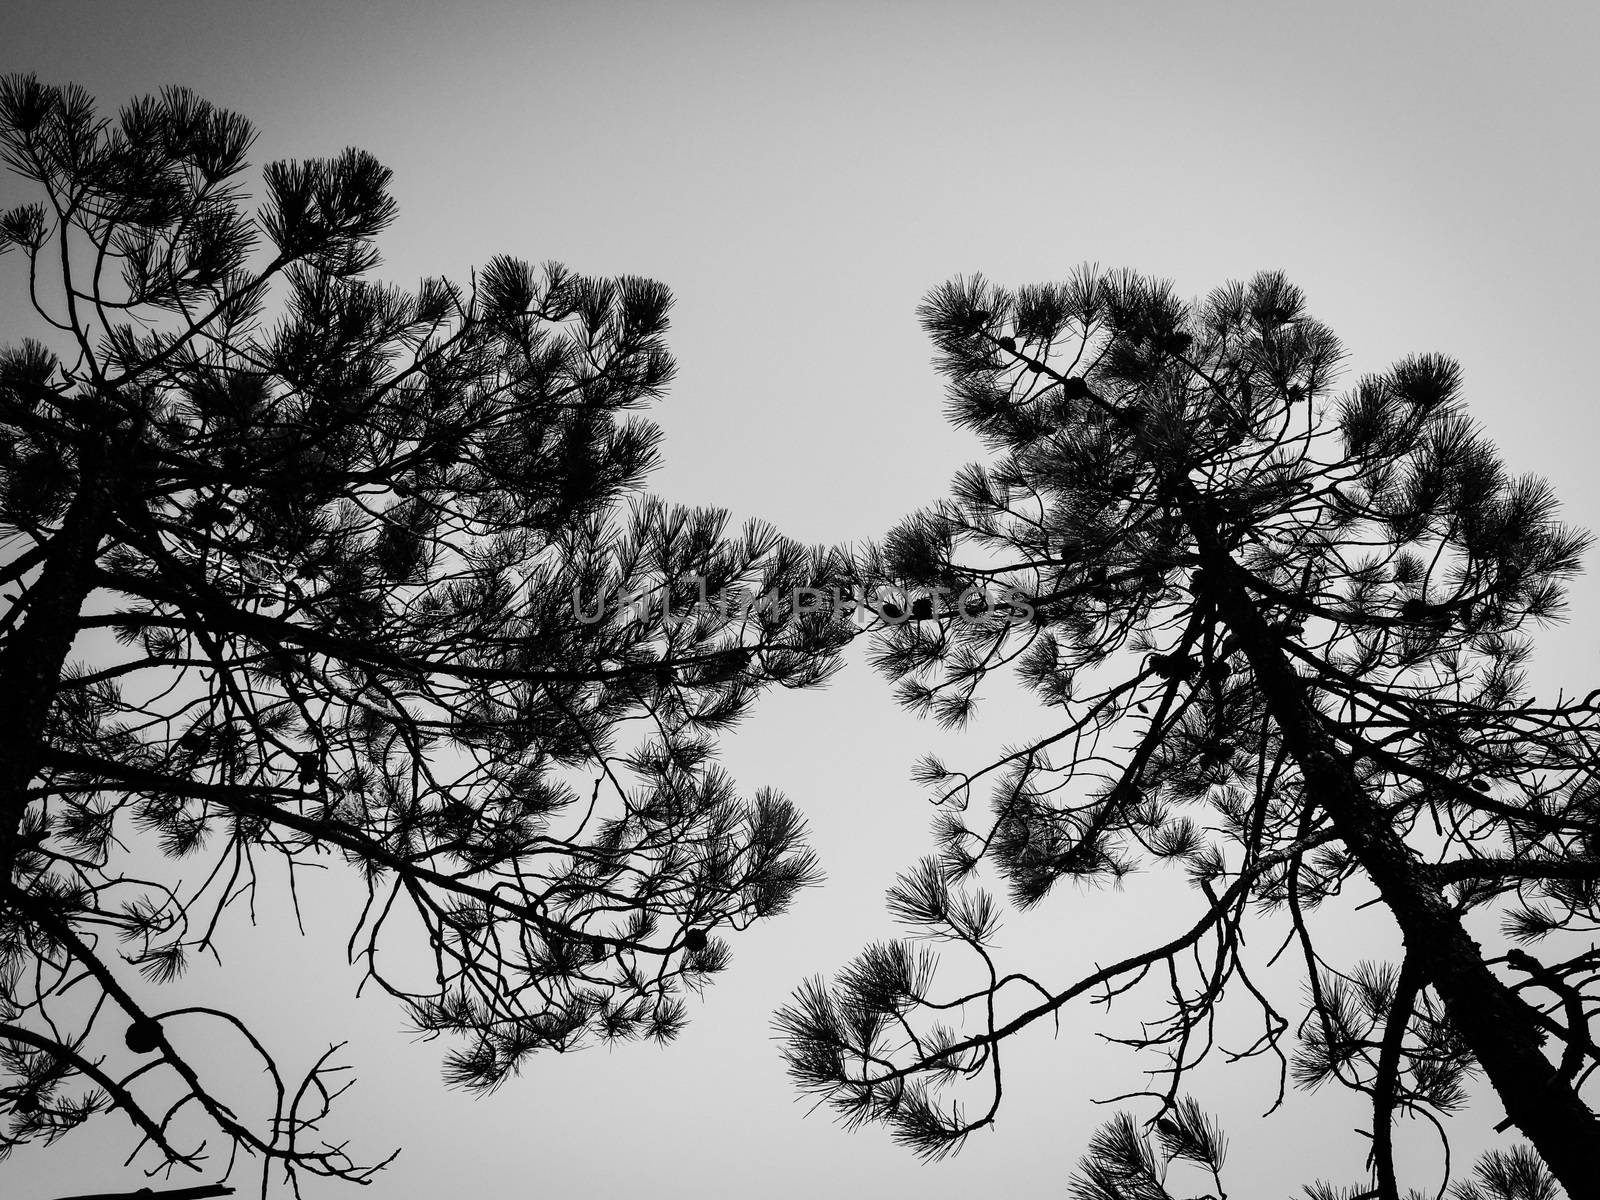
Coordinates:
<point>1281,636</point>
<point>340,584</point>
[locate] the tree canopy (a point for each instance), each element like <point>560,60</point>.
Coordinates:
<point>1282,634</point>
<point>302,567</point>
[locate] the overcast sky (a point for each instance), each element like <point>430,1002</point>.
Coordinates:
<point>799,175</point>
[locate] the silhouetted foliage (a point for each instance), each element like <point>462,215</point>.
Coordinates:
<point>341,584</point>
<point>1187,1149</point>
<point>1283,635</point>
<point>1126,1163</point>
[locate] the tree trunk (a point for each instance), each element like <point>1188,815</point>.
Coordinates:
<point>37,648</point>
<point>1497,1026</point>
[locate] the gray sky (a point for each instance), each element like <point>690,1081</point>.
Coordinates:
<point>800,175</point>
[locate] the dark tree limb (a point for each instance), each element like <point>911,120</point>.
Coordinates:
<point>1386,1086</point>
<point>202,1192</point>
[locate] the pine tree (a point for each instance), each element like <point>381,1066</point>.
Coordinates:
<point>1281,635</point>
<point>301,567</point>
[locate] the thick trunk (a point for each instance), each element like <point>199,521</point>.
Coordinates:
<point>1497,1027</point>
<point>31,661</point>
